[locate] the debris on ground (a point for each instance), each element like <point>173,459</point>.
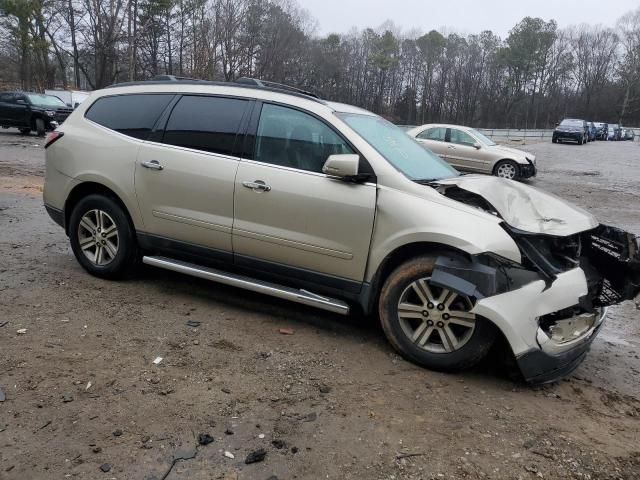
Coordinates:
<point>225,390</point>
<point>2,324</point>
<point>157,360</point>
<point>88,386</point>
<point>279,444</point>
<point>228,431</point>
<point>286,331</point>
<point>256,456</point>
<point>324,388</point>
<point>117,433</point>
<point>67,398</point>
<point>21,331</point>
<point>228,454</point>
<point>105,467</point>
<point>310,417</point>
<point>193,323</point>
<point>2,395</point>
<point>205,439</point>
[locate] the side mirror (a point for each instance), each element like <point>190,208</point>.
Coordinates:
<point>342,165</point>
<point>477,146</point>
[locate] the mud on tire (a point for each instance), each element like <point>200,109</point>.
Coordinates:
<point>475,346</point>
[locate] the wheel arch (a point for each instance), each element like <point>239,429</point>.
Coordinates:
<point>397,257</point>
<point>84,189</point>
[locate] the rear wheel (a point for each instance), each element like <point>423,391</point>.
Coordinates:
<point>40,127</point>
<point>25,131</point>
<point>102,237</point>
<point>430,325</point>
<point>554,140</point>
<point>507,169</point>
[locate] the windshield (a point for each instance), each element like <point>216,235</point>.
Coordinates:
<point>482,138</point>
<point>400,150</point>
<point>571,123</point>
<point>45,100</point>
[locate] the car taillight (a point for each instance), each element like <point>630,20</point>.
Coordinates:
<point>53,137</point>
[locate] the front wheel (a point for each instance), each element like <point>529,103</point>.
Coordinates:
<point>580,141</point>
<point>40,127</point>
<point>102,238</point>
<point>507,169</point>
<point>429,325</point>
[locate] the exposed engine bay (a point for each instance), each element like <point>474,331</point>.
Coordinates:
<point>609,256</point>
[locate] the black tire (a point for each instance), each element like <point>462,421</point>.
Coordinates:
<point>25,131</point>
<point>554,140</point>
<point>40,127</point>
<point>469,354</point>
<point>126,256</point>
<point>513,166</point>
<point>580,141</point>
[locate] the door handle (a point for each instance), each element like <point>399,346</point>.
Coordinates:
<point>152,164</point>
<point>257,186</point>
<point>451,147</point>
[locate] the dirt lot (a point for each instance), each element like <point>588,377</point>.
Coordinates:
<point>330,401</point>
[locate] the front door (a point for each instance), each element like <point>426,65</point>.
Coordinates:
<point>462,152</point>
<point>185,180</point>
<point>287,212</point>
<point>434,139</point>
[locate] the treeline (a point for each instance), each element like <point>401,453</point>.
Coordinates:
<point>531,79</point>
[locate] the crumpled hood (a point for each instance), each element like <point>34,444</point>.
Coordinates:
<point>526,208</point>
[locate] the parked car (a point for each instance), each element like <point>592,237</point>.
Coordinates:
<point>591,131</point>
<point>72,98</point>
<point>31,111</point>
<point>571,129</point>
<point>601,130</point>
<point>629,134</point>
<point>273,190</point>
<point>614,132</point>
<point>468,150</point>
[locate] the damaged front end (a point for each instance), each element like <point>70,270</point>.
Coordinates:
<point>551,305</point>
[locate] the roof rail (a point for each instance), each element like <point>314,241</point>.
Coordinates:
<point>242,82</point>
<point>278,86</point>
<point>173,78</point>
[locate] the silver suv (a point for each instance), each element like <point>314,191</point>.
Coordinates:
<point>273,190</point>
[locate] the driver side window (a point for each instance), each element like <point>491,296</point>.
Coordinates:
<point>461,138</point>
<point>292,138</point>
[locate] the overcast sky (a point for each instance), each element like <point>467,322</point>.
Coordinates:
<point>463,16</point>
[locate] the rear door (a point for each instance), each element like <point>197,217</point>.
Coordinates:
<point>288,214</point>
<point>185,179</point>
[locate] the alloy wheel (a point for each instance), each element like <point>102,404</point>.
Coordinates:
<point>98,237</point>
<point>434,318</point>
<point>506,170</point>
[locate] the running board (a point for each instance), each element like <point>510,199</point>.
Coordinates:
<point>248,283</point>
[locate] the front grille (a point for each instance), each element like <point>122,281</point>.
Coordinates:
<point>62,114</point>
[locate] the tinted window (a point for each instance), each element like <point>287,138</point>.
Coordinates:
<point>436,133</point>
<point>295,139</point>
<point>7,97</point>
<point>461,138</point>
<point>133,115</point>
<point>205,123</point>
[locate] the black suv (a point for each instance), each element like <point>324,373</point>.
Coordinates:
<point>32,111</point>
<point>573,130</point>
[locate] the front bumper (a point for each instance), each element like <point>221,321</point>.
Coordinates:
<point>528,171</point>
<point>554,360</point>
<point>572,136</point>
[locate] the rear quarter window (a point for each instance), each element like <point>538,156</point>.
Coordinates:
<point>133,115</point>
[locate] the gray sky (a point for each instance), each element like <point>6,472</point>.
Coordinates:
<point>464,16</point>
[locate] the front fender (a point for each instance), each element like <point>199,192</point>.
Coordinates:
<point>403,218</point>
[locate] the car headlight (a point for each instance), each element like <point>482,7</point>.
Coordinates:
<point>51,113</point>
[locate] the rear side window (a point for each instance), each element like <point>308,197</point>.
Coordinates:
<point>133,115</point>
<point>203,123</point>
<point>437,133</point>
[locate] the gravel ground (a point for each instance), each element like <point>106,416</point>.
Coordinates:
<point>330,401</point>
